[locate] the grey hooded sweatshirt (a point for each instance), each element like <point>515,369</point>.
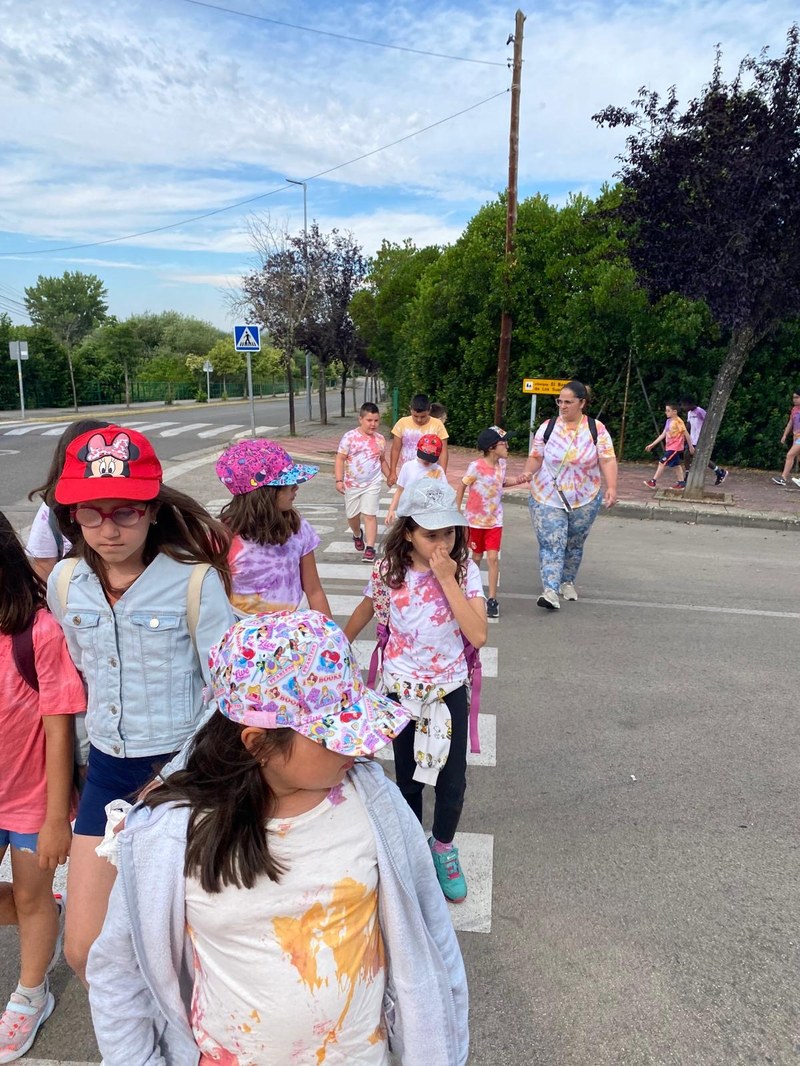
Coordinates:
<point>140,967</point>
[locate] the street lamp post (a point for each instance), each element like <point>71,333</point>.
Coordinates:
<point>309,411</point>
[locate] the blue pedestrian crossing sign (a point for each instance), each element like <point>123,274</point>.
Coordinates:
<point>247,338</point>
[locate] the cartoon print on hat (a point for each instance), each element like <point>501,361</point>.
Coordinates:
<point>252,464</point>
<point>109,463</point>
<point>108,458</point>
<point>296,669</point>
<point>429,445</point>
<point>431,503</point>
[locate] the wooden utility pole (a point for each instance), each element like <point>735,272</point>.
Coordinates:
<point>504,354</point>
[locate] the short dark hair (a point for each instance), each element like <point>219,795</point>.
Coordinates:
<point>420,402</point>
<point>438,410</point>
<point>688,401</point>
<point>368,409</point>
<point>672,403</point>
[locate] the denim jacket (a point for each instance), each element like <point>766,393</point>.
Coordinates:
<point>145,678</point>
<point>140,968</point>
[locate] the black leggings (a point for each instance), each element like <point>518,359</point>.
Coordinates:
<point>451,784</point>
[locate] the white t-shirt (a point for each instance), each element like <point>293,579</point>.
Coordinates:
<point>415,469</point>
<point>695,418</point>
<point>295,971</point>
<point>424,638</point>
<point>41,542</point>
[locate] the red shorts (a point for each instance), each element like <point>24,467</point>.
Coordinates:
<point>485,540</point>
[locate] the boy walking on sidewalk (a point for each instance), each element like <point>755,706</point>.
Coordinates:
<point>696,416</point>
<point>360,462</point>
<point>486,478</point>
<point>675,435</point>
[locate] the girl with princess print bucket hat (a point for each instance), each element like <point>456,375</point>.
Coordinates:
<point>272,553</point>
<point>276,899</point>
<point>141,600</point>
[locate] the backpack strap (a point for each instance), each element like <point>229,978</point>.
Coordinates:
<point>193,591</point>
<point>380,605</point>
<point>64,578</point>
<point>24,656</point>
<point>475,675</point>
<point>551,422</point>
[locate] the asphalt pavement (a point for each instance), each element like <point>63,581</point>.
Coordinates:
<point>632,829</point>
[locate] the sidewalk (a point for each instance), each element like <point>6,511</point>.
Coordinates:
<point>747,498</point>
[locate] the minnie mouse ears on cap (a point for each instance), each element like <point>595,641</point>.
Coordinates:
<point>109,464</point>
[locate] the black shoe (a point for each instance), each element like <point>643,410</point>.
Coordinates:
<point>492,609</point>
<point>721,475</point>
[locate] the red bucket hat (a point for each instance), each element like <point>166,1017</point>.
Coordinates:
<point>109,464</point>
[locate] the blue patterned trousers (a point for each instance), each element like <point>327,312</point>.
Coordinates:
<point>561,535</point>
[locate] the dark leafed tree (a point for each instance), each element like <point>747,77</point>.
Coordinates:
<point>711,203</point>
<point>336,268</point>
<point>276,293</point>
<point>70,307</point>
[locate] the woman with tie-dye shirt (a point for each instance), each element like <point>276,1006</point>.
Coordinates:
<point>570,458</point>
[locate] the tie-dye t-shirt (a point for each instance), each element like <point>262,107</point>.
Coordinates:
<point>675,428</point>
<point>409,433</point>
<point>579,477</point>
<point>266,577</point>
<point>294,971</point>
<point>484,506</point>
<point>364,452</point>
<point>424,638</point>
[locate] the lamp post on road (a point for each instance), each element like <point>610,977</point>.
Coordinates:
<point>309,412</point>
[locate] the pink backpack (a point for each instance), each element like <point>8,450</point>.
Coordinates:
<point>380,604</point>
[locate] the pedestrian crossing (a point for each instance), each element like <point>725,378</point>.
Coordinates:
<point>157,428</point>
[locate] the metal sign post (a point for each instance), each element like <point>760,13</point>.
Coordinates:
<point>19,350</point>
<point>247,339</point>
<point>209,370</point>
<point>540,387</point>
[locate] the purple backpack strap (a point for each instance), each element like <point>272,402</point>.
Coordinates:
<point>475,674</point>
<point>24,658</point>
<point>380,605</point>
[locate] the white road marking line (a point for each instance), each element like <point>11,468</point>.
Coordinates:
<point>343,606</point>
<point>701,608</point>
<point>341,547</point>
<point>487,730</point>
<point>57,432</point>
<point>146,427</point>
<point>358,572</point>
<point>476,852</point>
<point>261,431</point>
<point>217,431</point>
<point>36,428</point>
<point>187,427</point>
<point>179,469</point>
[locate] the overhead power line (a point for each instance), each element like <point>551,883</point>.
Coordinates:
<point>345,36</point>
<point>253,199</point>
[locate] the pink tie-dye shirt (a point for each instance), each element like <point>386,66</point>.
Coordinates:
<point>484,506</point>
<point>363,453</point>
<point>266,577</point>
<point>579,475</point>
<point>424,638</point>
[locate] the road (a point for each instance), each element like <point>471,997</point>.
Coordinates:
<point>26,448</point>
<point>630,830</point>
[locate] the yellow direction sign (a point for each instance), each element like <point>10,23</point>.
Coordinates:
<point>543,386</point>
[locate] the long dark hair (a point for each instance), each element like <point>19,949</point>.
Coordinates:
<point>256,516</point>
<point>183,530</point>
<point>73,430</point>
<point>229,800</point>
<point>22,592</point>
<point>397,553</point>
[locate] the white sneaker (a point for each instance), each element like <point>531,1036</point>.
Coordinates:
<point>568,591</point>
<point>549,599</point>
<point>796,481</point>
<point>61,904</point>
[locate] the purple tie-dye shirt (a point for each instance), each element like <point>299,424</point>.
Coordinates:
<point>266,577</point>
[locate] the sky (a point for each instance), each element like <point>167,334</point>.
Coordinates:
<point>126,116</point>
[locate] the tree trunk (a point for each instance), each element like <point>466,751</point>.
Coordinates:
<point>290,384</point>
<point>343,394</point>
<point>323,393</point>
<point>72,379</point>
<point>741,345</point>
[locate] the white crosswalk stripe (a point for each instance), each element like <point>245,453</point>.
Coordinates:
<point>217,431</point>
<point>37,428</point>
<point>57,432</point>
<point>147,427</point>
<point>185,428</point>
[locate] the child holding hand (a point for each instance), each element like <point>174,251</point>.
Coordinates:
<point>435,596</point>
<point>360,462</point>
<point>276,902</point>
<point>272,553</point>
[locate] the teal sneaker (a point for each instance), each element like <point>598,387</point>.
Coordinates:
<point>449,873</point>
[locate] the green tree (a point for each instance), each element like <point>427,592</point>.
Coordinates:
<point>223,357</point>
<point>70,307</point>
<point>712,207</point>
